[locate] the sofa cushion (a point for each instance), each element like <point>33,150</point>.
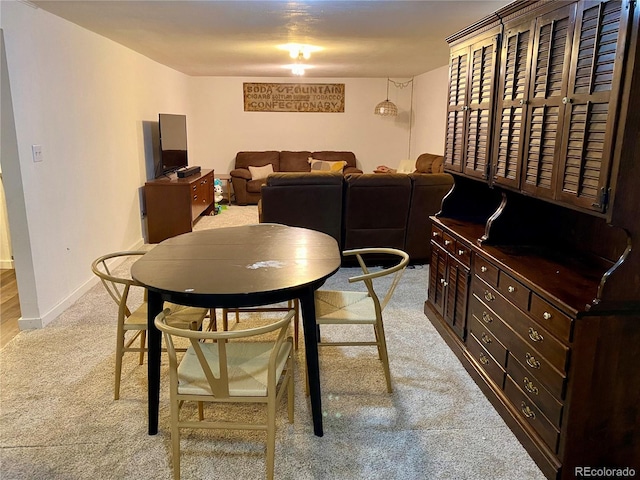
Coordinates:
<point>258,159</point>
<point>336,156</point>
<point>324,166</point>
<point>294,161</point>
<point>260,172</point>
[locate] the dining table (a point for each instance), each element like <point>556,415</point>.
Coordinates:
<point>234,267</point>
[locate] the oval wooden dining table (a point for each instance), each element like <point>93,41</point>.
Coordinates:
<point>245,266</point>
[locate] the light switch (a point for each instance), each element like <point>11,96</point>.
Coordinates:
<point>36,150</point>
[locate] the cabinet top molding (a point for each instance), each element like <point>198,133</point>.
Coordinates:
<point>512,10</point>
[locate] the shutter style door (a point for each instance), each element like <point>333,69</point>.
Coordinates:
<point>456,111</point>
<point>548,86</point>
<point>481,87</point>
<point>601,31</point>
<point>511,104</point>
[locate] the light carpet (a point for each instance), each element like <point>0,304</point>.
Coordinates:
<point>59,420</point>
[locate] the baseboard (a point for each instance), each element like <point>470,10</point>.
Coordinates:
<point>6,264</point>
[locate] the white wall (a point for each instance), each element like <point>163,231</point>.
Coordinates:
<point>218,126</point>
<point>89,103</point>
<point>93,105</point>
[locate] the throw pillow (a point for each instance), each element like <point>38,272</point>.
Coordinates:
<point>324,166</point>
<point>258,173</point>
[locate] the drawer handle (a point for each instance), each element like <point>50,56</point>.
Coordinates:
<point>443,282</point>
<point>488,296</point>
<point>460,252</point>
<point>447,242</point>
<point>434,234</point>
<point>534,335</point>
<point>547,316</point>
<point>529,386</point>
<point>532,362</point>
<point>486,338</point>
<point>527,412</point>
<point>483,359</point>
<point>511,289</point>
<point>486,317</point>
<point>483,269</point>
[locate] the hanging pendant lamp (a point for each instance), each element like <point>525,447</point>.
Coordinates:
<point>386,108</point>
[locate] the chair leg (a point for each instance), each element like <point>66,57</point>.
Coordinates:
<point>225,319</point>
<point>175,439</point>
<point>382,352</point>
<point>143,343</point>
<point>290,392</point>
<point>119,354</point>
<point>271,437</point>
<point>200,411</point>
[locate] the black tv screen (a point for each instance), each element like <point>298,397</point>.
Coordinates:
<point>173,142</point>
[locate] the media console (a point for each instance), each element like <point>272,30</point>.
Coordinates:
<point>174,203</point>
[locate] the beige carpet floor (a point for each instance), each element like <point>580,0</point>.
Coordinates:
<point>58,419</point>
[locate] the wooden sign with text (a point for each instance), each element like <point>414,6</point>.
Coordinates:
<point>294,97</point>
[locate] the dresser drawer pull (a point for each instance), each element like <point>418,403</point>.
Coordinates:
<point>529,386</point>
<point>443,282</point>
<point>546,316</point>
<point>447,242</point>
<point>534,335</point>
<point>511,289</point>
<point>486,338</point>
<point>527,412</point>
<point>532,362</point>
<point>460,252</point>
<point>488,296</point>
<point>434,234</point>
<point>483,359</point>
<point>486,317</point>
<point>483,269</point>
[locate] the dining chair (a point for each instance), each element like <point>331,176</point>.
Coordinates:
<point>239,366</point>
<point>132,319</point>
<point>363,308</point>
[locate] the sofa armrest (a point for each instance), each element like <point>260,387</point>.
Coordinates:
<point>241,173</point>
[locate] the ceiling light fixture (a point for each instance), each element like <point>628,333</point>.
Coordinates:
<point>387,108</point>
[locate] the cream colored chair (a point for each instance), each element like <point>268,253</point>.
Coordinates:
<point>240,366</point>
<point>362,308</point>
<point>135,321</point>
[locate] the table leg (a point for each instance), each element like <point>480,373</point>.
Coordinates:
<point>154,339</point>
<point>307,303</point>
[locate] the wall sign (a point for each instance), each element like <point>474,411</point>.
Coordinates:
<point>293,97</point>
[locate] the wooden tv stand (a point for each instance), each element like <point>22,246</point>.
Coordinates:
<point>173,204</point>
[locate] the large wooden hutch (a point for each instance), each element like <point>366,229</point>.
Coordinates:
<point>535,271</point>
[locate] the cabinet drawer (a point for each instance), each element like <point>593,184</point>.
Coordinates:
<point>535,364</point>
<point>449,243</point>
<point>488,363</point>
<point>488,341</point>
<point>532,415</point>
<point>550,317</point>
<point>536,392</point>
<point>485,270</point>
<point>436,235</point>
<point>514,291</point>
<point>463,254</point>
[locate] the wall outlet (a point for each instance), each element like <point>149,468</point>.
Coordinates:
<point>36,151</point>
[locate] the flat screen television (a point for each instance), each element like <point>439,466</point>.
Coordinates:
<point>173,143</point>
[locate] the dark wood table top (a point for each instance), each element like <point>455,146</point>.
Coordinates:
<point>226,266</point>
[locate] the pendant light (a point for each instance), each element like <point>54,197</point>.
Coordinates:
<point>386,108</point>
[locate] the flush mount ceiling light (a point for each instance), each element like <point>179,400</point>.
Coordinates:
<point>300,51</point>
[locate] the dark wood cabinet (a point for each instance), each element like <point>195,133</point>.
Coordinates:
<point>543,306</point>
<point>173,204</point>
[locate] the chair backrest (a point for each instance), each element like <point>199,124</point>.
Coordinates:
<point>219,384</point>
<point>367,277</point>
<point>117,287</point>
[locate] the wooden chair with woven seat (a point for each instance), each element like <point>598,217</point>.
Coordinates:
<point>240,366</point>
<point>362,308</point>
<point>135,320</point>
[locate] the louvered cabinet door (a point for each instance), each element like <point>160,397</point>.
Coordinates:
<point>457,287</point>
<point>482,74</point>
<point>517,45</point>
<point>456,110</point>
<point>545,110</point>
<point>591,103</point>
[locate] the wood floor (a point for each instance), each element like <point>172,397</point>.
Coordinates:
<point>9,306</point>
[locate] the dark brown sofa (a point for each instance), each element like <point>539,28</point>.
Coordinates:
<point>248,190</point>
<point>359,210</point>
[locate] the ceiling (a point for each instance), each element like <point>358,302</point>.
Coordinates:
<point>362,38</point>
